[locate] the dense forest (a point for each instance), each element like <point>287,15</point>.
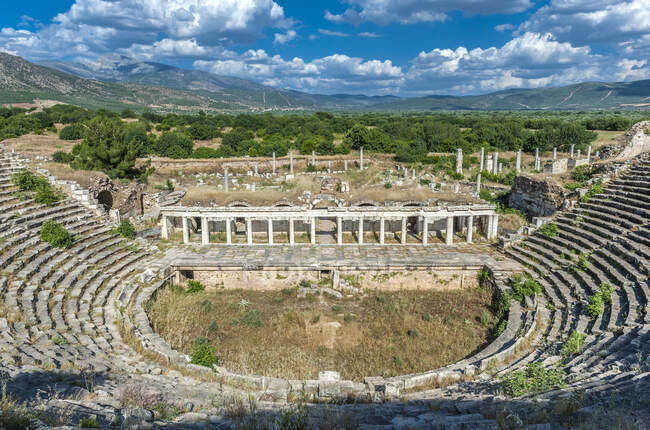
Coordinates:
<point>111,141</point>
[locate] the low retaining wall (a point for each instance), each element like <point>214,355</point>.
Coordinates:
<point>329,386</point>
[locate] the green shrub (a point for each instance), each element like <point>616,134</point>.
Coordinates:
<point>486,318</point>
<point>606,291</point>
<point>213,327</point>
<point>126,229</point>
<point>573,345</point>
<point>413,333</point>
<point>194,287</point>
<point>427,317</point>
<point>59,340</point>
<point>47,196</point>
<point>203,353</point>
<point>54,234</point>
<point>549,229</point>
<point>27,181</point>
<point>348,318</point>
<point>524,286</point>
<point>89,423</point>
<point>595,306</point>
<point>336,308</point>
<point>315,319</point>
<point>252,319</point>
<point>305,283</point>
<point>595,190</point>
<point>398,361</point>
<point>533,378</point>
<point>388,185</point>
<point>206,306</point>
<point>22,195</point>
<point>72,132</point>
<point>62,157</point>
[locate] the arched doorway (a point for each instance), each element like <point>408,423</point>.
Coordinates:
<point>105,198</point>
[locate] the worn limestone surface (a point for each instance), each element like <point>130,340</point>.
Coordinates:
<point>537,197</point>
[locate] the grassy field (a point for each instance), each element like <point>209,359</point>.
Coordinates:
<point>279,334</point>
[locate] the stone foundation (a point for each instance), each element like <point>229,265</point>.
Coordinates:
<point>384,280</point>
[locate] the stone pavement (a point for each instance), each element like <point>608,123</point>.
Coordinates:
<point>339,256</point>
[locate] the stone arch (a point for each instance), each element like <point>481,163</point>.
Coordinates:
<point>283,204</point>
<point>105,198</point>
<point>414,203</point>
<point>367,203</point>
<point>239,204</point>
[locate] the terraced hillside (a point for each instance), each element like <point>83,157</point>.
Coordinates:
<point>67,314</point>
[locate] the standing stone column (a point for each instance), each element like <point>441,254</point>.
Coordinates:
<point>459,160</point>
<point>291,232</point>
<point>256,171</point>
<point>382,229</point>
<point>164,229</point>
<point>589,154</point>
<point>482,159</point>
<point>229,231</point>
<point>572,147</point>
<point>291,162</point>
<point>274,163</point>
<point>186,231</point>
<point>361,158</point>
<point>578,155</point>
<point>329,166</point>
<point>345,165</point>
<point>270,230</point>
<point>470,228</point>
<point>361,230</point>
<point>555,153</point>
<point>205,231</point>
<point>518,162</point>
<point>495,226</point>
<point>488,233</point>
<point>478,183</point>
<point>537,160</point>
<point>313,231</point>
<point>225,179</point>
<point>425,230</point>
<point>449,237</point>
<point>249,231</point>
<point>313,158</point>
<point>403,238</point>
<point>495,163</point>
<point>339,230</point>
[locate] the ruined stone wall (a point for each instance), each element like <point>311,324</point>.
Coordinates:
<point>384,280</point>
<point>537,197</point>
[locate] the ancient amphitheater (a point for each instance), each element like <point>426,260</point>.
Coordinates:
<point>75,338</point>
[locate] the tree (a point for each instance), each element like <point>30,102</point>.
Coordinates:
<point>174,145</point>
<point>54,234</point>
<point>357,137</point>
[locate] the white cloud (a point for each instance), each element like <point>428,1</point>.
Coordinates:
<point>165,26</point>
<point>415,11</point>
<point>369,35</point>
<point>334,73</point>
<point>598,21</point>
<point>332,33</point>
<point>504,27</point>
<point>530,60</point>
<point>281,39</point>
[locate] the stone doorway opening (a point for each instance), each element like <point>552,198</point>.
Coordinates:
<point>105,198</point>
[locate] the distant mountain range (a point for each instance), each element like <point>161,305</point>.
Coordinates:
<point>119,82</point>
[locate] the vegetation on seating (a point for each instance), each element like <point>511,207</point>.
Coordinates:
<point>532,379</point>
<point>549,229</point>
<point>55,234</point>
<point>290,335</point>
<point>573,344</point>
<point>595,190</point>
<point>524,286</point>
<point>89,423</point>
<point>126,230</point>
<point>598,300</point>
<point>36,187</point>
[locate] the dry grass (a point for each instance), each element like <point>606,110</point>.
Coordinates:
<point>33,144</point>
<point>83,177</point>
<point>358,337</point>
<point>206,195</point>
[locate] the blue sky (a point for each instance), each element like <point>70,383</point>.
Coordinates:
<point>375,47</point>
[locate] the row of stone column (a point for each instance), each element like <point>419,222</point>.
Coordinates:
<point>491,232</point>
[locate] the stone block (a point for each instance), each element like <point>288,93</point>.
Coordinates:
<point>556,166</point>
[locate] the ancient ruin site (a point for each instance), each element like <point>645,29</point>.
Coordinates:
<point>507,289</point>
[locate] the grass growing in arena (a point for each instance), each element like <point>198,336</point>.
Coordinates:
<point>277,333</point>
